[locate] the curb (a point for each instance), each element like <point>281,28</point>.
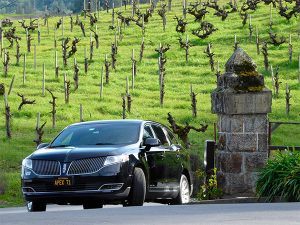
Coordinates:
<point>235,200</point>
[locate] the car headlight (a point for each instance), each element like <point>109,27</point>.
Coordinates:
<point>115,159</point>
<point>27,163</point>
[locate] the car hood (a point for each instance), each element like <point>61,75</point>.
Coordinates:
<point>68,154</point>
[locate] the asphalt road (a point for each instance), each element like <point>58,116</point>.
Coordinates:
<point>152,214</point>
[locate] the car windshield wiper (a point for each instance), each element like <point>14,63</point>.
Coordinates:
<point>59,146</point>
<point>103,143</point>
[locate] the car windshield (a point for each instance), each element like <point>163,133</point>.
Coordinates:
<point>98,134</point>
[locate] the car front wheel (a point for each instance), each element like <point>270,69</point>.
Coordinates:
<point>184,191</point>
<point>138,188</point>
<point>36,206</point>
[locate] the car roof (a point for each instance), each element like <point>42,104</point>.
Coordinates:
<point>128,121</point>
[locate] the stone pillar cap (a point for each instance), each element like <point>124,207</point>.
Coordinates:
<point>241,64</point>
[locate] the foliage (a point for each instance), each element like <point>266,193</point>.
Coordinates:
<point>280,177</point>
<point>3,184</point>
<point>210,190</point>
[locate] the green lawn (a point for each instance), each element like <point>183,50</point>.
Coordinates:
<point>145,105</point>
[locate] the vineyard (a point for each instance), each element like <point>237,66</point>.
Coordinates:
<point>139,70</point>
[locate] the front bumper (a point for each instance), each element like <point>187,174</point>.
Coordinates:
<point>109,184</point>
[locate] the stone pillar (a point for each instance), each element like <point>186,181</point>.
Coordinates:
<point>242,103</point>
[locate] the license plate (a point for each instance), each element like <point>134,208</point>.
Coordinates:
<point>62,181</point>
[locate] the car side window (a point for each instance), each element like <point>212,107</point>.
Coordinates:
<point>160,135</point>
<point>170,136</point>
<point>147,133</point>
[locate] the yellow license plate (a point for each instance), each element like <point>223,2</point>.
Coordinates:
<point>62,181</point>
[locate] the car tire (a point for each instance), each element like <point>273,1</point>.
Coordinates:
<point>92,205</point>
<point>36,206</point>
<point>138,188</point>
<point>184,191</point>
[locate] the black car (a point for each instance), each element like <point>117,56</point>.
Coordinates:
<point>108,162</point>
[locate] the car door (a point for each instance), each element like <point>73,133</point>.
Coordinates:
<point>173,154</point>
<point>155,159</point>
<point>170,165</point>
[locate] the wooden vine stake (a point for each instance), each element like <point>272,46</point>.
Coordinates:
<point>39,132</point>
<point>113,15</point>
<point>133,67</point>
<point>7,117</point>
<point>218,72</point>
<point>11,85</point>
<point>43,82</point>
<point>113,56</point>
<point>123,107</point>
<point>184,9</point>
<point>169,5</point>
<point>101,83</point>
<point>162,13</point>
<point>53,111</point>
<point>266,55</point>
<point>288,96</point>
<point>127,86</point>
<point>91,47</point>
<point>107,65</point>
<point>62,27</point>
<point>142,49</point>
<point>29,39</point>
<point>194,102</point>
<point>71,23</point>
<point>80,113</point>
<point>76,75</point>
<point>236,44</point>
<point>250,28</point>
<point>24,69</point>
<point>290,49</point>
<point>18,54</point>
<point>275,80</point>
<point>129,101</point>
<point>39,33</point>
<point>67,85</point>
<point>257,42</point>
<point>86,64</point>
<point>6,62</point>
<point>210,55</point>
<point>162,71</point>
<point>56,65</point>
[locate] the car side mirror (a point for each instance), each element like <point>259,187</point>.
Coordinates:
<point>151,142</point>
<point>43,145</point>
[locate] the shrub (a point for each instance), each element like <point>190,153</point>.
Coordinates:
<point>280,177</point>
<point>210,190</point>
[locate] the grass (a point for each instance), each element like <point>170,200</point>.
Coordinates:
<point>145,105</point>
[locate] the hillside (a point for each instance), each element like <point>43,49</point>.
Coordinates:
<point>145,95</point>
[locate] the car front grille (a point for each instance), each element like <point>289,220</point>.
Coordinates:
<point>46,167</point>
<point>86,166</point>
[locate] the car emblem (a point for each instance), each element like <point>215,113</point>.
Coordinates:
<point>64,168</point>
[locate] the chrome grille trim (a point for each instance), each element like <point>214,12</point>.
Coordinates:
<point>86,166</point>
<point>46,167</point>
